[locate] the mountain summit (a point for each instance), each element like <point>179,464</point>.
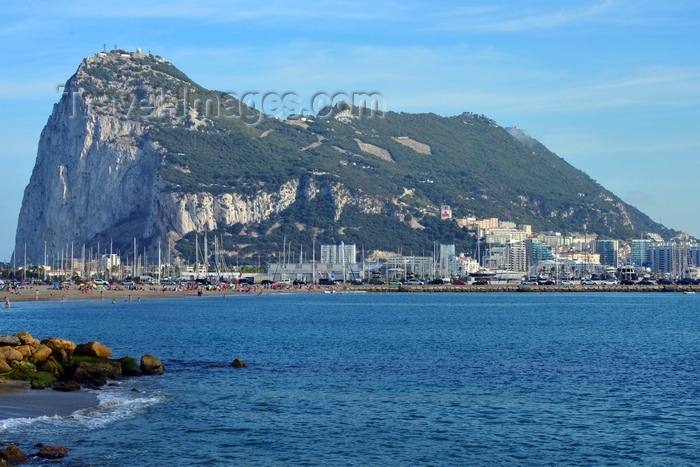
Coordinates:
<point>137,150</point>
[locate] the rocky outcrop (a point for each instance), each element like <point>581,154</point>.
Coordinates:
<point>93,349</point>
<point>13,455</point>
<point>64,366</point>
<point>97,177</point>
<point>238,363</point>
<point>150,365</point>
<point>52,452</point>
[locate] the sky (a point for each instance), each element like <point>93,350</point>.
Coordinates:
<point>613,87</point>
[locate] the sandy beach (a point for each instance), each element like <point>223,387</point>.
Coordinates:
<point>18,401</point>
<point>46,293</point>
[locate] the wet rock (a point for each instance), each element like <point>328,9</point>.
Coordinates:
<point>130,367</point>
<point>238,363</point>
<point>52,452</point>
<point>93,349</point>
<point>150,365</point>
<point>66,386</point>
<point>95,372</point>
<point>13,455</point>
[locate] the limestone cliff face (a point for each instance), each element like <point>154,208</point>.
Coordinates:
<point>96,180</point>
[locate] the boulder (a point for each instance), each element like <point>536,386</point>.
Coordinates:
<point>12,355</point>
<point>52,452</point>
<point>41,380</point>
<point>13,455</point>
<point>238,363</point>
<point>130,367</point>
<point>9,340</point>
<point>68,386</point>
<point>93,349</point>
<point>4,366</point>
<point>95,372</point>
<point>150,365</point>
<point>60,347</point>
<point>25,350</point>
<point>42,353</point>
<point>27,339</point>
<point>50,366</point>
<point>24,367</point>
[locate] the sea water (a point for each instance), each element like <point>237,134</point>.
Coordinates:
<point>384,379</point>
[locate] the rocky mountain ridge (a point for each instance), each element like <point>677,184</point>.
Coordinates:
<point>136,149</point>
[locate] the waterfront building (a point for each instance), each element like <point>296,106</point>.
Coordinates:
<point>607,249</point>
<point>343,253</point>
<point>515,256</point>
<point>537,252</point>
<point>641,252</point>
<point>663,259</point>
<point>448,264</point>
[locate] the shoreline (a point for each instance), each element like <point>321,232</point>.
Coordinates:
<point>50,294</point>
<point>17,400</point>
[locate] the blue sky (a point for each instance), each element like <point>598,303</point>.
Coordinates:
<point>612,86</point>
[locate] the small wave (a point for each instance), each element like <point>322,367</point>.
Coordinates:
<point>115,405</point>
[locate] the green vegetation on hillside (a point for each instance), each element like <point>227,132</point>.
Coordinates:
<point>473,165</point>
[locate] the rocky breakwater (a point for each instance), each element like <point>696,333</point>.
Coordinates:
<point>66,366</point>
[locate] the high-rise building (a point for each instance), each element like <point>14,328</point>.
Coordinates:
<point>694,256</point>
<point>608,251</point>
<point>641,252</point>
<point>663,259</point>
<point>447,259</point>
<point>537,251</point>
<point>516,256</point>
<point>338,254</point>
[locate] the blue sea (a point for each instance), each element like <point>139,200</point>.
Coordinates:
<point>384,379</point>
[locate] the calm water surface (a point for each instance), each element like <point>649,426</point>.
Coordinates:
<point>385,379</point>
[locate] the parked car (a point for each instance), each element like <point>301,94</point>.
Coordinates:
<point>480,282</point>
<point>545,282</point>
<point>587,282</point>
<point>437,282</point>
<point>375,281</point>
<point>415,282</point>
<point>127,283</point>
<point>299,282</point>
<point>458,282</point>
<point>326,282</point>
<point>356,282</point>
<point>566,282</point>
<point>609,282</point>
<point>394,282</point>
<point>100,282</point>
<point>528,282</point>
<point>627,282</point>
<point>647,282</point>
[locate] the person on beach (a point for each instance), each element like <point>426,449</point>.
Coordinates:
<point>7,302</point>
